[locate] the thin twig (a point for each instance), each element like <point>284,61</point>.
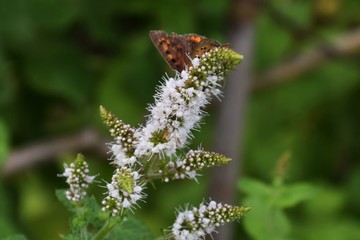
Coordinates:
<point>28,156</point>
<point>344,45</point>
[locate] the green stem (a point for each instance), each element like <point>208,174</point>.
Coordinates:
<point>104,231</point>
<point>152,165</point>
<point>152,176</point>
<point>148,176</point>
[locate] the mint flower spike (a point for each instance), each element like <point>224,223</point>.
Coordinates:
<point>123,148</point>
<point>194,160</point>
<point>196,223</point>
<point>77,178</point>
<point>124,191</point>
<point>180,101</point>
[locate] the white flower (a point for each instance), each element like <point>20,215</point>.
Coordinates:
<point>119,156</point>
<point>174,114</point>
<point>198,222</point>
<point>194,161</point>
<point>124,191</point>
<point>180,101</point>
<point>78,179</point>
<point>195,62</point>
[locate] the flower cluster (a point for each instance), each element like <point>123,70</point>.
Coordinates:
<point>123,192</point>
<point>138,154</point>
<point>196,223</point>
<point>179,102</point>
<point>178,109</point>
<point>194,160</point>
<point>77,178</point>
<point>123,148</point>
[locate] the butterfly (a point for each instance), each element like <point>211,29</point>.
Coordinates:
<point>178,50</point>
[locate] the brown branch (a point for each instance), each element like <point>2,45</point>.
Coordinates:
<point>31,155</point>
<point>344,45</point>
<point>232,112</point>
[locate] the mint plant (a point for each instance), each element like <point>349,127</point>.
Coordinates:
<point>153,152</point>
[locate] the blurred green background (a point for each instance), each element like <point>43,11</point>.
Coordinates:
<point>61,59</point>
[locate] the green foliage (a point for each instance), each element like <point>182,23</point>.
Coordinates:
<point>59,60</point>
<point>325,217</point>
<point>131,229</point>
<point>85,212</point>
<point>89,220</point>
<point>267,219</point>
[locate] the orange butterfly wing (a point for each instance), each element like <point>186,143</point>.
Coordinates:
<point>172,47</point>
<point>177,50</point>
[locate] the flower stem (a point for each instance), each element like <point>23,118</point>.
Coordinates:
<point>105,230</point>
<point>152,176</point>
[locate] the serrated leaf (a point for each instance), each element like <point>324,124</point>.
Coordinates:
<point>131,229</point>
<point>93,212</point>
<point>294,194</point>
<point>60,194</point>
<point>86,214</point>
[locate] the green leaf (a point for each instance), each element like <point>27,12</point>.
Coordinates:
<point>253,187</point>
<point>87,212</point>
<point>294,194</point>
<point>329,203</point>
<point>60,194</point>
<point>265,221</point>
<point>131,229</point>
<point>94,215</point>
